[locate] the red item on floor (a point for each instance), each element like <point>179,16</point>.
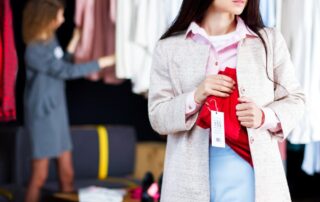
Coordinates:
<point>9,64</point>
<point>236,135</point>
<point>136,193</point>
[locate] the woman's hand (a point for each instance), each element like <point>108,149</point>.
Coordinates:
<point>249,114</point>
<point>74,41</point>
<point>217,85</point>
<point>107,61</point>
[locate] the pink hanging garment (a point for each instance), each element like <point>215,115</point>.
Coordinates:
<point>104,40</point>
<point>84,18</point>
<point>113,10</point>
<point>98,35</point>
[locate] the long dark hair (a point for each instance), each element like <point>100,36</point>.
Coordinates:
<point>195,10</point>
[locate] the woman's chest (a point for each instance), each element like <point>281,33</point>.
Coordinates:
<point>189,65</point>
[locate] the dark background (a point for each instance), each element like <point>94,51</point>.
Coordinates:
<point>97,103</point>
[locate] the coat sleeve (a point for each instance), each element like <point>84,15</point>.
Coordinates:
<point>167,111</point>
<point>289,104</point>
<point>40,60</point>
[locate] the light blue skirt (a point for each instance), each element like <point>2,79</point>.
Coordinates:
<point>231,177</point>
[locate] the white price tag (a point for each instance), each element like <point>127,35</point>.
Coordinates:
<point>217,129</point>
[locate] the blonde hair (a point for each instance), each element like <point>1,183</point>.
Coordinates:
<point>37,17</point>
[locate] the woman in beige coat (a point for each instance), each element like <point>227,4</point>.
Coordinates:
<point>208,38</point>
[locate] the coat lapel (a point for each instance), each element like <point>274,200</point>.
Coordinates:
<point>251,70</point>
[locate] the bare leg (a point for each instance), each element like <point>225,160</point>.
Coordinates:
<point>65,169</point>
<point>38,178</point>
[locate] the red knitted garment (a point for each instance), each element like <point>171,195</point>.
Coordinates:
<point>236,135</point>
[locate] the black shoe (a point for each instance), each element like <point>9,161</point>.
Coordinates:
<point>160,185</point>
<point>147,181</point>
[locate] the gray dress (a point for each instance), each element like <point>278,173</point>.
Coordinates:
<point>46,117</point>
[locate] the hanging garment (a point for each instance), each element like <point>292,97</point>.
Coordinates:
<point>84,17</point>
<point>104,38</point>
<point>172,8</point>
<point>278,13</point>
<point>113,10</point>
<point>140,24</point>
<point>311,159</point>
<point>9,65</point>
<point>1,52</point>
<point>302,34</point>
<point>1,63</point>
<point>268,12</point>
<point>95,19</point>
<point>123,46</point>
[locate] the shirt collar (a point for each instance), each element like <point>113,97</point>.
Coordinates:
<point>241,30</point>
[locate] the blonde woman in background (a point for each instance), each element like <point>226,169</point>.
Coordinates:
<point>47,67</point>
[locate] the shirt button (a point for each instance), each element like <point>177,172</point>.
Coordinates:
<point>251,140</point>
<point>242,90</point>
<point>216,63</point>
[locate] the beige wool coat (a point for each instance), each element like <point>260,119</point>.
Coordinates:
<point>178,68</point>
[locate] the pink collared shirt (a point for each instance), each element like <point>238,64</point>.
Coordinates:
<point>223,53</point>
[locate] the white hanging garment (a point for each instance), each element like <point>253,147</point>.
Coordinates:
<point>172,10</point>
<point>124,12</point>
<point>140,24</point>
<point>301,29</point>
<point>268,12</point>
<point>311,159</point>
<point>278,13</point>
